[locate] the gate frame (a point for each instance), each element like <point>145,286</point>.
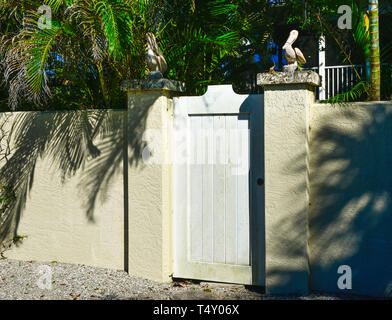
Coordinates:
<point>222,100</point>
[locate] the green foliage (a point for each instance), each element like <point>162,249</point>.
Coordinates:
<point>357,93</point>
<point>38,50</point>
<point>305,13</point>
<point>360,32</point>
<point>361,37</point>
<point>221,50</point>
<point>94,45</point>
<point>320,17</point>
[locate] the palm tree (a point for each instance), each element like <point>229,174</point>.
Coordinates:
<point>89,47</point>
<point>375,77</point>
<point>94,44</point>
<point>212,39</point>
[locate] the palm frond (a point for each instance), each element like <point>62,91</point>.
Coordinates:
<point>358,92</point>
<point>114,17</point>
<point>37,54</point>
<point>55,4</point>
<point>361,33</point>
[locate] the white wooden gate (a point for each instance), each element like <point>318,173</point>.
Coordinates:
<point>218,187</point>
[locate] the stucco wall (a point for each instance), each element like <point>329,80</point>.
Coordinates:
<point>350,217</point>
<point>98,213</point>
<point>72,219</point>
<point>286,112</point>
<point>149,176</point>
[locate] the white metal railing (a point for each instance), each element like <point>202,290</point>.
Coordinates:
<point>339,79</point>
<point>336,80</point>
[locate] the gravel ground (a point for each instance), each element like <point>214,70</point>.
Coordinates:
<point>31,281</point>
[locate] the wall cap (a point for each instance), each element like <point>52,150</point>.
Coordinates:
<point>153,85</point>
<point>307,77</point>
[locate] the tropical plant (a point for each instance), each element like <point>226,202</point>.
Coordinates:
<point>92,45</point>
<point>215,41</point>
<point>357,41</point>
<point>375,75</point>
<point>87,48</point>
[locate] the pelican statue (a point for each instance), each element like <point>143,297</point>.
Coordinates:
<point>292,55</point>
<point>155,60</point>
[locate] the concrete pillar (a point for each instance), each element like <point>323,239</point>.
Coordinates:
<point>287,99</point>
<point>149,155</point>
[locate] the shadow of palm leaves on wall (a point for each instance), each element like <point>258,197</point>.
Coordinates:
<point>350,217</point>
<point>89,143</point>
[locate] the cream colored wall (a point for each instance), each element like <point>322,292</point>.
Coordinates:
<point>55,222</point>
<point>350,217</point>
<point>150,198</point>
<point>55,218</point>
<point>286,210</point>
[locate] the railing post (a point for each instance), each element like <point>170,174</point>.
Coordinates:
<point>322,89</point>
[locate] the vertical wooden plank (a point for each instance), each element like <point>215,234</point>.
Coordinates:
<point>243,241</point>
<point>219,188</point>
<point>207,188</point>
<point>231,190</point>
<point>181,192</point>
<point>196,187</point>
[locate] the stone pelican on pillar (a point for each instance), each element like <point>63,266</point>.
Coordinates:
<point>292,55</point>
